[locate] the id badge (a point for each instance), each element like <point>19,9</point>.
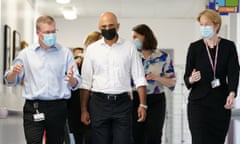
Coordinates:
<point>215,83</point>
<point>38,117</point>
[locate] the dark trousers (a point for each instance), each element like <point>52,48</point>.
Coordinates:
<point>150,131</point>
<point>81,132</point>
<point>208,120</point>
<point>84,138</point>
<point>55,119</point>
<point>110,118</point>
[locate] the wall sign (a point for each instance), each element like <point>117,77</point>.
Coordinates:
<point>224,6</point>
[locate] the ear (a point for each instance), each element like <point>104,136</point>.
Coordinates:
<point>118,25</point>
<point>38,32</point>
<point>217,27</point>
<point>39,36</point>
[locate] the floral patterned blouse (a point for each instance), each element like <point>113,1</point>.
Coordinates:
<point>159,63</point>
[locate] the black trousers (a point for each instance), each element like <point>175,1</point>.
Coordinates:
<point>110,118</point>
<point>150,131</point>
<point>208,119</point>
<point>55,119</point>
<point>81,132</point>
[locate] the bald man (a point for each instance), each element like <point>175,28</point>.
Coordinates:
<point>107,69</point>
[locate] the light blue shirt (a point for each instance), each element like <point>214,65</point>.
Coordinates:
<point>44,72</point>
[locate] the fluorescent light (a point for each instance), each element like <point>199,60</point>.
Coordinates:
<point>63,1</point>
<point>69,13</point>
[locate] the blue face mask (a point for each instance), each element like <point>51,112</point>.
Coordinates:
<point>49,39</point>
<point>138,44</point>
<point>207,31</point>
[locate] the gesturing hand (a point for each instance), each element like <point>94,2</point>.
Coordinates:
<point>69,74</point>
<point>69,77</point>
<point>195,76</point>
<point>17,69</point>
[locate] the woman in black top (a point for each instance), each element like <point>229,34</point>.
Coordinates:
<point>212,75</point>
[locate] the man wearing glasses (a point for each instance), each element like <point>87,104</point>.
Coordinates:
<point>49,73</point>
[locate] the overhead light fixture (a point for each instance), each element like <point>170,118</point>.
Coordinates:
<point>69,13</point>
<point>63,1</point>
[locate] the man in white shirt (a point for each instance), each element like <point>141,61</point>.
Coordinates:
<point>108,66</point>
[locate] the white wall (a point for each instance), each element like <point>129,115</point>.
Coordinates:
<point>237,102</point>
<point>175,33</point>
<point>171,33</point>
<point>19,15</point>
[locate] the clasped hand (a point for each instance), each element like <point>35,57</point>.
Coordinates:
<point>195,76</point>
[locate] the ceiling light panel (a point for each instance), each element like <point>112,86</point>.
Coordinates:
<point>69,13</point>
<point>63,1</point>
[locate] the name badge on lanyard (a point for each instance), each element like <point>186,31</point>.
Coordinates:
<point>215,82</point>
<point>38,116</point>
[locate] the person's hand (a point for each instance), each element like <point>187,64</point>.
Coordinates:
<point>69,74</point>
<point>230,101</point>
<point>195,76</point>
<point>85,117</point>
<point>69,77</point>
<point>142,114</point>
<point>17,69</point>
<point>151,76</point>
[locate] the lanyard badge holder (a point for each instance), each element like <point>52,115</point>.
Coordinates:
<point>215,82</point>
<point>38,116</point>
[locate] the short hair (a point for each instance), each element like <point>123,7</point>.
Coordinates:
<point>92,37</point>
<point>44,19</point>
<point>79,55</point>
<point>78,48</point>
<point>150,41</point>
<point>24,44</point>
<point>212,15</point>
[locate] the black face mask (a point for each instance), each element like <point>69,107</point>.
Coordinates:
<point>109,34</point>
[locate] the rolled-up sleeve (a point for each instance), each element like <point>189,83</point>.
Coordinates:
<point>87,72</point>
<point>137,70</point>
<point>18,78</point>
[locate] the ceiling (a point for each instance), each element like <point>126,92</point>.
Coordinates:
<point>124,8</point>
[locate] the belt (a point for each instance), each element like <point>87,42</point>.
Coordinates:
<point>113,97</point>
<point>158,94</point>
<point>46,101</point>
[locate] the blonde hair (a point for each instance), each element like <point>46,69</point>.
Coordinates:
<point>92,37</point>
<point>213,16</point>
<point>44,19</point>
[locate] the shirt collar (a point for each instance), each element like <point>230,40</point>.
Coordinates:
<point>119,41</point>
<point>37,46</point>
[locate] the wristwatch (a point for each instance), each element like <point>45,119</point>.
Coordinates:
<point>143,106</point>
